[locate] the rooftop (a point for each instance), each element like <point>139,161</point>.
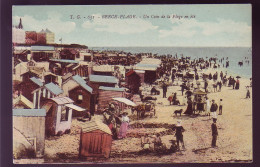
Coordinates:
<point>29,112</point>
<point>64,61</point>
<point>37,81</point>
<point>102,78</point>
<point>55,89</point>
<point>62,100</point>
<point>111,88</point>
<point>42,48</point>
<point>82,83</point>
<point>95,125</point>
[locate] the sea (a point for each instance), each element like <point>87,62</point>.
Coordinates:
<point>234,54</point>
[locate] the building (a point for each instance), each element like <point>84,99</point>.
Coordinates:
<point>18,34</point>
<point>95,140</point>
<point>30,37</point>
<point>76,88</point>
<point>105,95</point>
<point>133,81</point>
<point>26,87</point>
<point>47,91</point>
<point>28,133</point>
<point>18,70</point>
<point>59,115</point>
<point>50,36</point>
<point>42,53</point>
<point>100,80</point>
<point>106,70</point>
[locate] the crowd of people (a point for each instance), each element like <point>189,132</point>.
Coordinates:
<point>188,74</point>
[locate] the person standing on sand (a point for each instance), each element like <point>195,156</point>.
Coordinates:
<point>164,90</point>
<point>213,109</point>
<point>237,84</point>
<point>178,134</point>
<point>214,130</point>
<point>220,107</point>
<point>124,126</point>
<point>207,107</point>
<point>247,92</point>
<point>233,83</point>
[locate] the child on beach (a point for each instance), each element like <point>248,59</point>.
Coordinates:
<point>220,107</point>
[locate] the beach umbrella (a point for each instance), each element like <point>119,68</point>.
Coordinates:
<point>125,101</point>
<point>238,77</point>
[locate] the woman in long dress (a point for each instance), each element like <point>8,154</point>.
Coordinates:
<point>124,126</point>
<point>189,108</point>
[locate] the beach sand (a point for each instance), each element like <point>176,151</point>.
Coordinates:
<point>234,127</point>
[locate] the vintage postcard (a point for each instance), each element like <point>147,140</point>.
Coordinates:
<point>125,84</point>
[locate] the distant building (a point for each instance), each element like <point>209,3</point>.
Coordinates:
<point>50,36</point>
<point>18,34</point>
<point>30,37</point>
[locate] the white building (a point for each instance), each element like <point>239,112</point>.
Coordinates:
<point>18,34</point>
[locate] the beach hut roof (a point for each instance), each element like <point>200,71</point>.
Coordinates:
<point>37,81</point>
<point>111,88</point>
<point>29,112</point>
<point>24,100</point>
<point>62,100</point>
<point>64,61</point>
<point>55,89</point>
<point>102,78</point>
<point>149,67</point>
<point>82,83</point>
<point>95,125</point>
<point>42,48</point>
<point>130,73</point>
<point>103,68</point>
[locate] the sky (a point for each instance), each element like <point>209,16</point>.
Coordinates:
<point>226,25</point>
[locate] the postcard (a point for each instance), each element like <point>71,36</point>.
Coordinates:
<point>125,84</point>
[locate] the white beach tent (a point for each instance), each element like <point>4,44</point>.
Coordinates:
<point>125,100</point>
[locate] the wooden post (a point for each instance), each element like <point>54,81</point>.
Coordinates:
<point>34,100</point>
<point>58,118</point>
<point>39,97</point>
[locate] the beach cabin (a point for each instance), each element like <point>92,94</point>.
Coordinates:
<point>26,87</point>
<point>99,80</point>
<point>42,53</point>
<point>133,81</point>
<point>106,70</point>
<point>59,115</point>
<point>60,66</point>
<point>105,95</point>
<point>28,133</point>
<point>50,77</point>
<point>150,74</point>
<point>49,90</point>
<point>84,56</point>
<point>69,54</point>
<point>82,95</point>
<point>95,140</point>
<point>18,70</point>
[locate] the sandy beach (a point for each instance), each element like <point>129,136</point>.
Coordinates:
<point>234,127</point>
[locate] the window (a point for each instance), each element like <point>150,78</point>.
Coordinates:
<point>64,114</point>
<point>80,99</point>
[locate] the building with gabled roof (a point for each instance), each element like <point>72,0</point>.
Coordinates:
<point>78,90</point>
<point>95,132</point>
<point>59,115</point>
